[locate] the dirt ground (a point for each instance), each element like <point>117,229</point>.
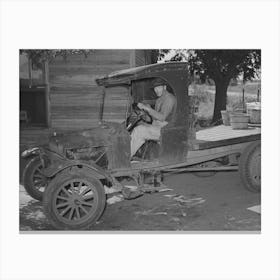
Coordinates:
<point>217,203</point>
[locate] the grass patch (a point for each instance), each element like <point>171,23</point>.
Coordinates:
<point>204,96</point>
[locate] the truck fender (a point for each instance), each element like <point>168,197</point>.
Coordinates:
<point>54,169</point>
<point>29,153</point>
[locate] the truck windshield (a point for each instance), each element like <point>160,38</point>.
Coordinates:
<point>116,103</point>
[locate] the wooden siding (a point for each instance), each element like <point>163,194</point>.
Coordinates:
<point>141,57</point>
<point>74,96</point>
<point>79,107</point>
<point>30,137</point>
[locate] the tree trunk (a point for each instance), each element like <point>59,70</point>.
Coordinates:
<point>220,98</point>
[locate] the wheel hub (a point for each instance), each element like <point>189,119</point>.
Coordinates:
<point>77,202</point>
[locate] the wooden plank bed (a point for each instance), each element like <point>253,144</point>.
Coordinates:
<point>223,136</point>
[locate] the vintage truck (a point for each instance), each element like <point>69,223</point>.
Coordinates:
<point>69,173</point>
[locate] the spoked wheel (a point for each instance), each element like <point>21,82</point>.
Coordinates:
<point>250,167</point>
<point>33,179</point>
<point>74,200</point>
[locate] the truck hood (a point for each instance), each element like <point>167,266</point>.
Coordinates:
<point>95,137</point>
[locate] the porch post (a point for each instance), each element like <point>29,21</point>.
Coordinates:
<point>47,92</point>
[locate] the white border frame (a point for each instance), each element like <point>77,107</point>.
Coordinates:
<point>146,24</point>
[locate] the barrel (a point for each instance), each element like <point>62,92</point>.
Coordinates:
<point>239,120</point>
<point>254,111</point>
<point>255,116</point>
<point>225,117</point>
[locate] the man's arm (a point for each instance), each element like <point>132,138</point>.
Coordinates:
<point>165,110</point>
<point>157,115</point>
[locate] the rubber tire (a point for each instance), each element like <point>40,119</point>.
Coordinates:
<point>28,183</point>
<point>244,167</point>
<point>61,178</point>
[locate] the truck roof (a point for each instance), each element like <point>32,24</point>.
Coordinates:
<point>124,77</point>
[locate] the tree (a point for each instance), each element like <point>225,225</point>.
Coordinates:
<point>154,55</point>
<point>38,56</point>
<point>221,66</point>
<point>173,55</point>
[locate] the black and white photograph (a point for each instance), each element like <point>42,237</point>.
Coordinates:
<point>140,140</point>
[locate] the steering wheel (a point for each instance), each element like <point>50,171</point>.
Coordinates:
<point>136,116</point>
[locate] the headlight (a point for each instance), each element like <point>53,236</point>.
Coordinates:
<point>29,152</point>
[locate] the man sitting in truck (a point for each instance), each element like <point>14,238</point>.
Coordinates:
<point>164,108</point>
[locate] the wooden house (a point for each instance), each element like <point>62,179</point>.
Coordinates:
<point>64,96</point>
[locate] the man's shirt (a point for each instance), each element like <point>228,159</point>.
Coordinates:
<point>166,105</point>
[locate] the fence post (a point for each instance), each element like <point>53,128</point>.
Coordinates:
<point>243,96</point>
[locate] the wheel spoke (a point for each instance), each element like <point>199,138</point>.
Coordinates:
<point>78,213</point>
<point>38,170</point>
<point>72,187</point>
<point>62,204</point>
<point>87,189</point>
<point>38,183</point>
<point>41,176</point>
<point>62,197</point>
<point>65,211</point>
<point>86,197</point>
<point>66,192</point>
<point>83,208</point>
<point>86,203</point>
<point>71,213</point>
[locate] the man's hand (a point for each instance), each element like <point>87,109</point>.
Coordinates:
<point>145,107</point>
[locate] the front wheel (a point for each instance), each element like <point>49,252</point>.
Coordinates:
<point>250,167</point>
<point>34,180</point>
<point>74,200</point>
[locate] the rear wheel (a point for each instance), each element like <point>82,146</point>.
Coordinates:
<point>74,200</point>
<point>250,167</point>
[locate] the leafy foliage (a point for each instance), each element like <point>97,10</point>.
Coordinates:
<point>38,56</point>
<point>225,64</point>
<point>174,55</point>
<point>219,65</point>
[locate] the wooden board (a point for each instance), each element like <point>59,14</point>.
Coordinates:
<point>224,135</point>
<point>30,137</point>
<point>76,70</point>
<point>74,96</point>
<point>78,107</point>
<point>193,157</point>
<point>223,132</point>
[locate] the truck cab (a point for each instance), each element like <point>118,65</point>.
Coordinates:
<point>174,136</point>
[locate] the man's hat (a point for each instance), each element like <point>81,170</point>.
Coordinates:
<point>158,82</point>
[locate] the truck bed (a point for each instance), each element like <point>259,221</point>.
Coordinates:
<point>211,143</point>
<point>222,136</point>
